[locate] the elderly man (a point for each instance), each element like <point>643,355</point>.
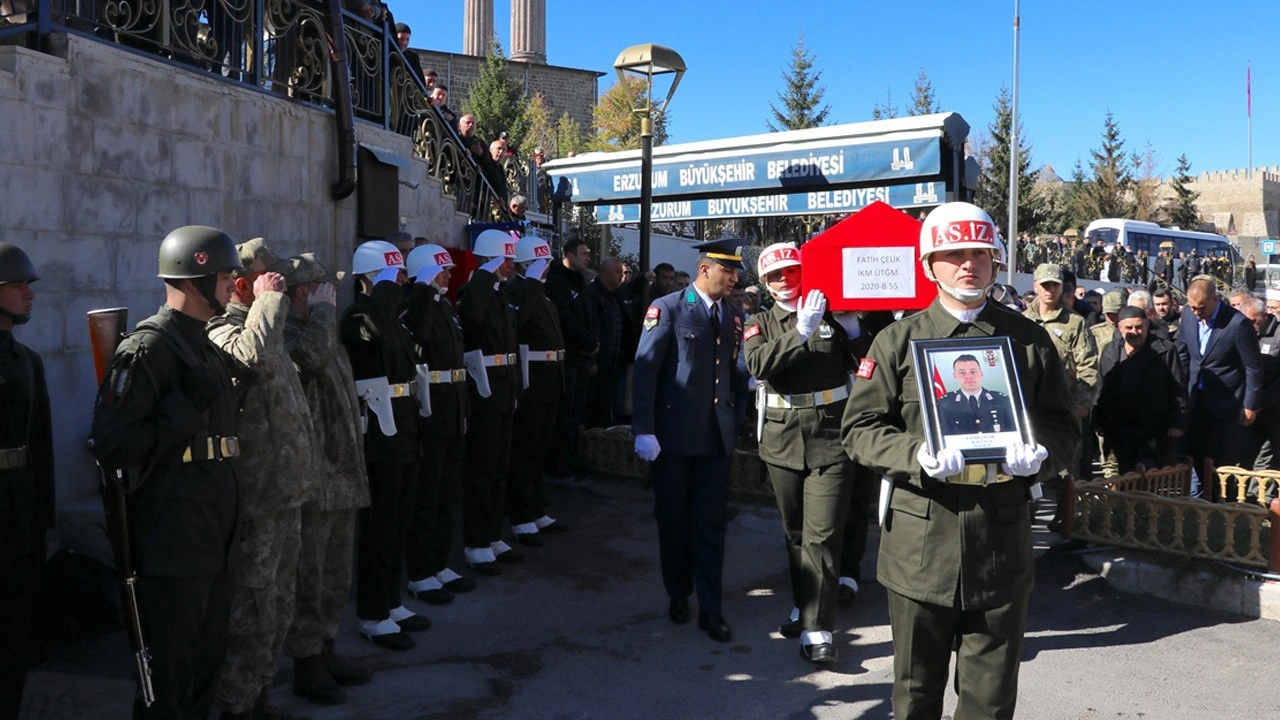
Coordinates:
<point>1268,432</point>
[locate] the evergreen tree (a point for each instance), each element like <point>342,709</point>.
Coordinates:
<point>569,136</point>
<point>802,105</point>
<point>616,124</point>
<point>923,101</point>
<point>1109,192</point>
<point>886,110</point>
<point>1074,209</point>
<point>992,193</point>
<point>1181,210</point>
<point>496,101</point>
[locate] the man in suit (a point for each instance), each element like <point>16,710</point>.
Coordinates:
<point>1218,347</point>
<point>683,418</point>
<point>973,408</point>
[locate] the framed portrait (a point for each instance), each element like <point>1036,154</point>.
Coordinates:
<point>971,396</point>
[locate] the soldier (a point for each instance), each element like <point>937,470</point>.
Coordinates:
<point>166,406</point>
<point>382,364</point>
<point>436,333</point>
<point>973,408</point>
<point>489,334</point>
<point>682,396</point>
<point>328,521</point>
<point>26,474</point>
<point>542,359</point>
<point>955,550</point>
<point>1105,331</point>
<point>804,357</point>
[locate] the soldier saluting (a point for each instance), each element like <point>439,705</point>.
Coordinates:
<point>973,408</point>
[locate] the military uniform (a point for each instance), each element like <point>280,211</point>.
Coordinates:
<point>988,411</point>
<point>538,329</point>
<point>807,382</point>
<point>956,558</point>
<point>1103,333</point>
<point>277,468</point>
<point>166,407</point>
<point>1079,356</point>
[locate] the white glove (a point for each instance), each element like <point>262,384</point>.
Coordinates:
<point>849,321</point>
<point>1022,460</point>
<point>493,265</point>
<point>387,274</point>
<point>809,315</point>
<point>948,462</point>
<point>538,269</point>
<point>325,293</point>
<point>427,276</point>
<point>647,447</point>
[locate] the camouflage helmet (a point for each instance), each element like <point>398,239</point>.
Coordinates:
<point>15,266</point>
<point>193,251</point>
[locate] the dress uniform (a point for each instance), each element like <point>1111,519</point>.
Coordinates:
<point>987,411</point>
<point>167,407</point>
<point>489,334</point>
<point>436,332</point>
<point>541,359</point>
<point>683,418</point>
<point>804,358</point>
<point>955,550</point>
<point>382,364</point>
<point>26,475</point>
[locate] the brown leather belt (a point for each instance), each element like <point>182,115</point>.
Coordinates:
<point>14,458</point>
<point>216,447</point>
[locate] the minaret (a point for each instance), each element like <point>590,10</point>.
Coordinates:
<point>477,27</point>
<point>529,31</point>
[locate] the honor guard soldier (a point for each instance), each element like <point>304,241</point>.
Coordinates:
<point>328,521</point>
<point>167,408</point>
<point>436,333</point>
<point>26,475</point>
<point>973,408</point>
<point>276,457</point>
<point>489,334</point>
<point>541,360</point>
<point>382,363</point>
<point>683,420</point>
<point>804,358</point>
<point>955,549</point>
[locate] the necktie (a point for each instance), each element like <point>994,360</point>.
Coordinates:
<point>715,318</point>
<point>973,404</point>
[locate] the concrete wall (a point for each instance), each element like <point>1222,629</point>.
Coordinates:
<point>107,151</point>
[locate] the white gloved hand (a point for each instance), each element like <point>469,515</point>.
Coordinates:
<point>325,293</point>
<point>809,314</point>
<point>1021,460</point>
<point>647,447</point>
<point>427,275</point>
<point>387,274</point>
<point>948,462</point>
<point>538,270</point>
<point>850,322</point>
<point>493,265</point>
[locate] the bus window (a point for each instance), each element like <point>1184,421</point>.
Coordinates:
<point>1141,241</point>
<point>1106,235</point>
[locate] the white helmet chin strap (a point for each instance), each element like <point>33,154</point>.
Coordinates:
<point>964,295</point>
<point>788,293</point>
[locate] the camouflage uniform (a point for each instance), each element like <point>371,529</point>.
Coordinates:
<point>1079,356</point>
<point>277,462</point>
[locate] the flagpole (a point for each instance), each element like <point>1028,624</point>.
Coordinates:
<point>1248,96</point>
<point>1011,241</point>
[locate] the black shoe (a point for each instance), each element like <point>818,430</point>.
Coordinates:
<point>715,626</point>
<point>414,623</point>
<point>528,540</point>
<point>678,610</point>
<point>436,596</point>
<point>819,653</point>
<point>790,629</point>
<point>510,556</point>
<point>846,595</point>
<point>487,568</point>
<point>460,585</point>
<point>394,641</point>
<point>555,528</point>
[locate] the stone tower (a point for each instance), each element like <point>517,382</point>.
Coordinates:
<point>477,27</point>
<point>529,31</point>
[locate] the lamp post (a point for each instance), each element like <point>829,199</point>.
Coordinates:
<point>644,62</point>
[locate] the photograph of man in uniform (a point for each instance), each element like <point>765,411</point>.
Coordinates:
<point>974,408</point>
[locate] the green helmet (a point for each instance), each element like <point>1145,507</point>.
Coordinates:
<point>194,251</point>
<point>15,266</point>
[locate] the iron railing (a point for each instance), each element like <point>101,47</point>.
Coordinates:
<point>281,47</point>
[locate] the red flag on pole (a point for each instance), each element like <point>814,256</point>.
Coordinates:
<point>939,389</point>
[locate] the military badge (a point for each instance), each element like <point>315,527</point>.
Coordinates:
<point>991,358</point>
<point>651,317</point>
<point>825,331</point>
<point>866,368</point>
<point>752,331</point>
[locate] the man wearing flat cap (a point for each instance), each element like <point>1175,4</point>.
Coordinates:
<point>686,373</point>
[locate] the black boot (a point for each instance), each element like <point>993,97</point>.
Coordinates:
<point>343,670</point>
<point>264,710</point>
<point>313,682</point>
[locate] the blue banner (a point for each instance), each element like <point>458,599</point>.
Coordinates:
<point>811,203</point>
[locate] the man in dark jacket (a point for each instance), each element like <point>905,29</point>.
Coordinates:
<point>610,362</point>
<point>566,289</point>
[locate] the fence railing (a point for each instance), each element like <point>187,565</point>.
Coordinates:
<point>282,47</point>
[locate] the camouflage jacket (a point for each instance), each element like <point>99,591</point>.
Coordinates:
<point>1075,347</point>
<point>312,343</point>
<point>276,453</point>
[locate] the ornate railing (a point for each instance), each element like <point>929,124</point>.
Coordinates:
<point>279,46</point>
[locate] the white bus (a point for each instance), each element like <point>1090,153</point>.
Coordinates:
<point>1140,235</point>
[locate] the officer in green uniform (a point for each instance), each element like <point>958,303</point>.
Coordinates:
<point>26,475</point>
<point>804,357</point>
<point>955,549</point>
<point>166,408</point>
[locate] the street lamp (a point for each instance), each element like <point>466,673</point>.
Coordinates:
<point>645,61</point>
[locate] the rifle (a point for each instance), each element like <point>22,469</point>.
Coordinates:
<point>106,328</point>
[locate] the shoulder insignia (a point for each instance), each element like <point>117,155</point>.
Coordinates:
<point>751,331</point>
<point>651,317</point>
<point>825,331</point>
<point>866,368</point>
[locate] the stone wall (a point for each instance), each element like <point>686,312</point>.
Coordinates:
<point>108,150</point>
<point>1238,203</point>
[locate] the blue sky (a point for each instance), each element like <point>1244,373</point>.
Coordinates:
<point>1172,73</point>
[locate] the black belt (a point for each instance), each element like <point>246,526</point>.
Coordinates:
<point>216,447</point>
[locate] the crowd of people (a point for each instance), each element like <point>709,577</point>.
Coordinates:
<point>1124,265</point>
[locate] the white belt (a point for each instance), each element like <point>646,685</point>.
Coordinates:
<point>501,360</point>
<point>546,355</point>
<point>399,390</point>
<point>806,400</point>
<point>437,377</point>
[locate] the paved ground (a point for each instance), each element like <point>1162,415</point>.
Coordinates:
<point>579,632</point>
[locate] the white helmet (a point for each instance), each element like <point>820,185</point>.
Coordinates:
<point>375,255</point>
<point>959,226</point>
<point>428,256</point>
<point>776,257</point>
<point>494,244</point>
<point>532,247</point>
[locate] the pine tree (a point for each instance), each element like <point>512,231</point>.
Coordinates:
<point>886,110</point>
<point>1109,192</point>
<point>616,124</point>
<point>1181,210</point>
<point>802,105</point>
<point>992,193</point>
<point>923,101</point>
<point>496,101</point>
<point>1074,206</point>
